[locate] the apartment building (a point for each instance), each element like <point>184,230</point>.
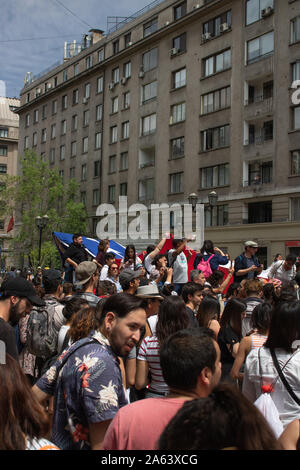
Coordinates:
<point>9,136</point>
<point>184,97</point>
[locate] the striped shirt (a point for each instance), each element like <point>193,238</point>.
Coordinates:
<point>257,340</point>
<point>40,444</point>
<point>149,351</point>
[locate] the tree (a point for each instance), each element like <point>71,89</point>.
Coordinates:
<point>37,191</point>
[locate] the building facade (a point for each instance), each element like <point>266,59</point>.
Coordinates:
<point>9,136</point>
<point>186,97</point>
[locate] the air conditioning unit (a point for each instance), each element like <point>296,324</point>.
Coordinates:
<point>111,85</point>
<point>85,100</point>
<point>123,80</point>
<point>206,36</point>
<point>174,51</point>
<point>267,12</point>
<point>141,74</point>
<point>224,27</point>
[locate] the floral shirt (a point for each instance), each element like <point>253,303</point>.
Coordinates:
<point>87,389</point>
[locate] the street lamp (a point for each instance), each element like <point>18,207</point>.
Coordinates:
<point>212,198</point>
<point>41,223</point>
<point>193,199</point>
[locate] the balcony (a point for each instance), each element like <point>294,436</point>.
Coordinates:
<point>258,108</point>
<point>262,67</point>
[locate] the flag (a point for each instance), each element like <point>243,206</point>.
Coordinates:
<point>10,224</point>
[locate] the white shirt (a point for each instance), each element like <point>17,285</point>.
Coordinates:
<point>278,272</point>
<point>287,407</point>
<point>104,272</point>
<point>180,267</point>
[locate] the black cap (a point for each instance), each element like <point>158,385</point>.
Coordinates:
<point>51,274</point>
<point>20,287</point>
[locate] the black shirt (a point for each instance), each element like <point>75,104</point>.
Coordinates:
<point>8,336</point>
<point>193,320</point>
<point>76,253</point>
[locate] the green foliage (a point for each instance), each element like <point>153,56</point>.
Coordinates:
<point>37,191</point>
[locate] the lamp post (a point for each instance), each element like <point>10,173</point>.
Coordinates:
<point>212,198</point>
<point>193,199</point>
<point>41,223</point>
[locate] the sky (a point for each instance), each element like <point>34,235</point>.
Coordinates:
<point>33,33</point>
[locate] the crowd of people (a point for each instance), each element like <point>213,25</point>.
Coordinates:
<point>143,353</point>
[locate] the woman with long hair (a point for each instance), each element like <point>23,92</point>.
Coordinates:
<point>23,422</point>
<point>230,334</point>
<point>282,349</point>
<point>208,314</point>
<point>130,259</point>
<point>102,249</point>
<point>211,253</point>
<point>172,317</point>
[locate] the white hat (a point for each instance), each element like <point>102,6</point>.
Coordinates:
<point>148,292</point>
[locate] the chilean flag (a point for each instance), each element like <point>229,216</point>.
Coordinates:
<point>11,224</point>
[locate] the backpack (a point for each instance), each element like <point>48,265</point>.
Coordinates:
<point>204,266</point>
<point>41,335</point>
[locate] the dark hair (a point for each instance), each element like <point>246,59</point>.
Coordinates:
<point>276,257</point>
<point>149,249</point>
<point>73,305</point>
<point>106,288</point>
<point>291,257</point>
<point>76,235</point>
<point>109,255</point>
<point>287,293</point>
<point>176,241</point>
<point>224,419</point>
<point>121,305</point>
<point>232,315</point>
<point>21,416</point>
<point>51,285</point>
<point>83,322</point>
<point>232,289</point>
<point>167,289</point>
<point>269,293</point>
<point>185,354</point>
<point>172,316</point>
<point>126,254</point>
<point>209,309</point>
<point>190,288</point>
<point>284,326</point>
<point>103,244</point>
<point>216,278</point>
<point>261,317</point>
<point>194,274</point>
<point>67,288</point>
<point>207,247</point>
<point>158,258</point>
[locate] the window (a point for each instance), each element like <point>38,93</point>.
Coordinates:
<point>177,113</point>
<point>3,168</point>
<point>295,208</point>
<point>148,124</point>
<point>65,75</point>
<point>86,117</point>
<point>54,107</point>
<point>74,122</point>
<point>75,96</point>
<point>126,100</point>
<point>98,140</point>
<point>64,102</point>
<point>215,138</point>
<point>179,11</point>
<point>63,127</point>
<point>179,43</point>
<point>111,193</point>
<point>62,153</point>
<point>43,156</point>
<point>113,134</point>
<point>116,75</point>
<point>115,46</point>
<point>125,130</point>
<point>96,197</point>
<point>150,27</point>
<point>85,145</point>
<point>179,78</point>
<point>146,189</point>
<point>27,120</point>
<point>99,85</point>
<point>176,183</point>
<point>214,176</point>
<point>83,197</point>
<point>44,135</point>
<point>34,139</point>
<point>259,212</point>
<point>123,189</point>
<point>149,91</point>
<point>177,148</point>
<point>150,59</point>
<point>73,148</point>
<point>52,155</point>
<point>97,169</point>
<point>87,90</point>
<point>44,111</point>
<point>99,111</point>
<point>114,104</point>
<point>72,172</point>
<point>295,30</point>
<point>26,143</point>
<point>76,69</point>
<point>296,71</point>
<point>101,55</point>
<point>127,70</point>
<point>216,216</point>
<point>268,130</point>
<point>295,166</point>
<point>217,63</point>
<point>296,117</point>
<point>127,40</point>
<point>124,161</point>
<point>259,47</point>
<point>4,132</point>
<point>88,61</point>
<point>112,166</point>
<point>254,9</point>
<point>217,25</point>
<point>260,173</point>
<point>4,151</point>
<point>36,116</point>
<point>83,172</point>
<point>216,100</point>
